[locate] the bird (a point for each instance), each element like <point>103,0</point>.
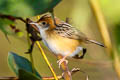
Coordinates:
<point>62,38</point>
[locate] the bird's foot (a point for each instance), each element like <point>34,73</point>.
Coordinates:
<point>61,61</point>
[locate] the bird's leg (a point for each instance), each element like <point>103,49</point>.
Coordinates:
<point>77,56</point>
<point>60,61</point>
<point>63,59</point>
<point>64,67</point>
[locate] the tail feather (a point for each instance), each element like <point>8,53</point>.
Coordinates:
<point>95,42</point>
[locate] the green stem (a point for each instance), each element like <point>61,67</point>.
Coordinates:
<point>31,59</point>
<point>52,14</point>
<point>31,56</point>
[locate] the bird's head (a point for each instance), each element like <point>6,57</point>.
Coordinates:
<point>45,22</point>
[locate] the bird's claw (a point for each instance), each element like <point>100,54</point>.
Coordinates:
<point>61,61</point>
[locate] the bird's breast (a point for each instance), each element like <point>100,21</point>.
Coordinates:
<point>60,45</point>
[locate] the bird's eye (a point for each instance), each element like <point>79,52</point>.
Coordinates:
<point>44,23</point>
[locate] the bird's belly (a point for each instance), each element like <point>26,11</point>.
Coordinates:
<point>64,47</point>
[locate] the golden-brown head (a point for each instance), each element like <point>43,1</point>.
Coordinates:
<point>47,22</point>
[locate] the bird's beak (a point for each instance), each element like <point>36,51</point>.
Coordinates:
<point>33,23</point>
<point>35,26</point>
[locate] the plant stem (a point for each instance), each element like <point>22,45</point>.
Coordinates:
<point>46,60</point>
<point>31,56</point>
<point>64,67</point>
<point>31,59</point>
<point>101,25</point>
<point>105,34</point>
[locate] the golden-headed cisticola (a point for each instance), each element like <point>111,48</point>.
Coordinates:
<point>61,37</point>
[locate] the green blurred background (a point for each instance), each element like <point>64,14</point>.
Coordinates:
<point>97,63</point>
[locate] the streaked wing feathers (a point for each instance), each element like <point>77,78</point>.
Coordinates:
<point>68,31</point>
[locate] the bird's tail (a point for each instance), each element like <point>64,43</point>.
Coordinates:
<point>97,43</point>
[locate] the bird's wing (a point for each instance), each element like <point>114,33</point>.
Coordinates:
<point>66,30</point>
